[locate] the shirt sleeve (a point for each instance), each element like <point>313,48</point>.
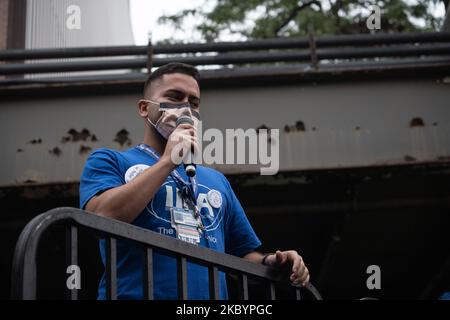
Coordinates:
<point>240,238</point>
<point>101,172</point>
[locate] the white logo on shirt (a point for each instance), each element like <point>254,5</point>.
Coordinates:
<point>215,198</point>
<point>134,171</point>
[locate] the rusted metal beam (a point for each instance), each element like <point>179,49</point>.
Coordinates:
<point>239,76</point>
<point>266,44</point>
<point>231,58</point>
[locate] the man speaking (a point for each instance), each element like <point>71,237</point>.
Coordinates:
<point>144,186</point>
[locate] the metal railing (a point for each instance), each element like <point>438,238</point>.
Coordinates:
<point>24,271</point>
<point>310,49</point>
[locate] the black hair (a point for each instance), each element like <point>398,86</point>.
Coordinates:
<point>173,67</point>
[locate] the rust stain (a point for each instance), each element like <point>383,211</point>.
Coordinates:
<point>264,127</point>
<point>55,151</point>
<point>417,122</point>
<point>77,136</point>
<point>74,136</point>
<point>35,141</point>
<point>122,138</point>
<point>85,149</point>
<point>299,126</point>
<point>409,158</point>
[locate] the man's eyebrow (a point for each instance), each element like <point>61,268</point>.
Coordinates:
<point>174,91</point>
<point>180,92</point>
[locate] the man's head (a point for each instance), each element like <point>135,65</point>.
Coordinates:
<point>173,83</point>
<point>155,78</point>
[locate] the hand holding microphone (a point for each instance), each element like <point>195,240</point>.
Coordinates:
<point>181,144</point>
<point>188,167</point>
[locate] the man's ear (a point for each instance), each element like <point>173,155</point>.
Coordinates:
<point>143,108</point>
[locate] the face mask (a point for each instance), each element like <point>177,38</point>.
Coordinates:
<point>166,123</point>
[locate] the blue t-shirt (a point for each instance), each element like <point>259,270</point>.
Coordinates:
<point>227,227</point>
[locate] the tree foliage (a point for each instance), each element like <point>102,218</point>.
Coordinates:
<point>252,19</point>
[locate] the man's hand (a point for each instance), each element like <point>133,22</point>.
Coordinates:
<point>290,258</point>
<point>180,143</point>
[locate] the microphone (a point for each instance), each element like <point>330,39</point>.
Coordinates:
<point>189,168</point>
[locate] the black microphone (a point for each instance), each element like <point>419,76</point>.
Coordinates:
<point>189,168</point>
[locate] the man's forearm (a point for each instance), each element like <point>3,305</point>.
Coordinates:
<point>254,256</point>
<point>126,202</point>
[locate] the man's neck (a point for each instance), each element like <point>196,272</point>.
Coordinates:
<point>155,141</point>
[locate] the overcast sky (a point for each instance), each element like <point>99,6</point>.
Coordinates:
<point>145,13</point>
